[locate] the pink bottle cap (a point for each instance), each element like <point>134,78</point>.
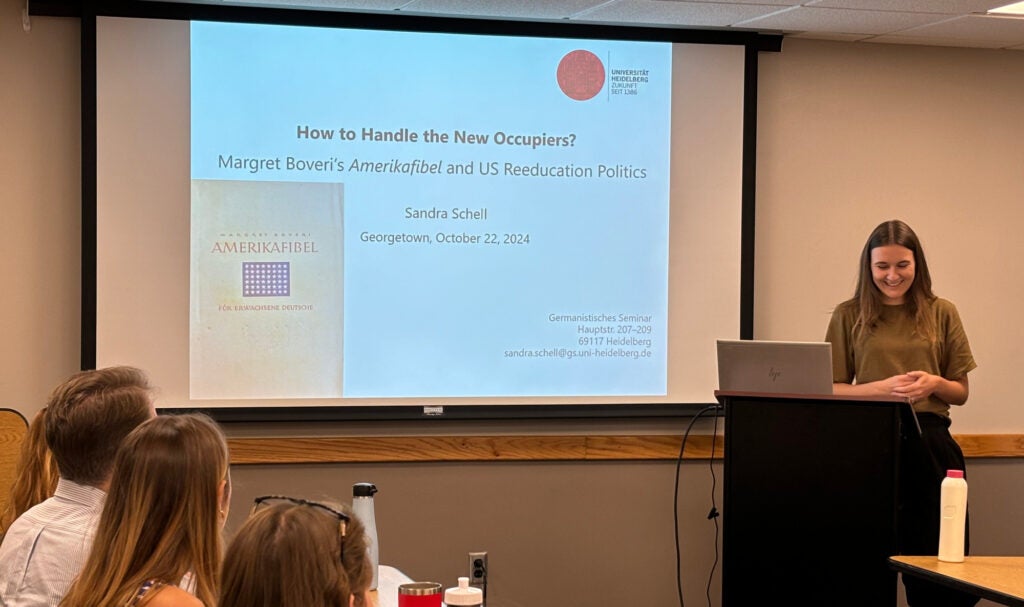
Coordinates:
<point>954,473</point>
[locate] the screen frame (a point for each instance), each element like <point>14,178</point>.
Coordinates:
<point>753,43</point>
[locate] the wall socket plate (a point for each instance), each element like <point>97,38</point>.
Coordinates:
<point>478,570</point>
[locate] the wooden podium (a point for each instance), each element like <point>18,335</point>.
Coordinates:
<point>810,498</point>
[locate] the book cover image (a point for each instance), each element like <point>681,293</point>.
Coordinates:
<point>266,289</point>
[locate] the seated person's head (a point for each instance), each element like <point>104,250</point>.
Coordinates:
<point>163,515</point>
<point>89,415</point>
<point>293,553</point>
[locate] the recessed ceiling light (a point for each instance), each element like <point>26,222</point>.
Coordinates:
<point>1017,8</point>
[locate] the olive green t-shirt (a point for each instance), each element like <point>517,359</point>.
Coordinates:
<point>893,347</point>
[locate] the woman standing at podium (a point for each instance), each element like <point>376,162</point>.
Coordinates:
<point>895,337</point>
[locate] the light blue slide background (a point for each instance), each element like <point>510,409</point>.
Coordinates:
<point>435,320</point>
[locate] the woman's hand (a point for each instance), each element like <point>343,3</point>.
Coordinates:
<point>882,387</point>
<point>923,385</point>
<point>918,386</point>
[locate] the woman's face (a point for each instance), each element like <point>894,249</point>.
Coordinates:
<point>892,269</point>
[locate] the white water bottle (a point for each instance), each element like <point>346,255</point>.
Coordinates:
<point>953,513</point>
<point>362,507</point>
<point>463,594</point>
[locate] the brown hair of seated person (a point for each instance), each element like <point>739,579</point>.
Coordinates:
<point>162,518</point>
<point>37,473</point>
<point>294,555</point>
<point>89,415</point>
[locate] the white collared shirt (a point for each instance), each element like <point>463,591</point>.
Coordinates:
<point>46,547</point>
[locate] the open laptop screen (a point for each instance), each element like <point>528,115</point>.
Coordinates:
<point>790,367</point>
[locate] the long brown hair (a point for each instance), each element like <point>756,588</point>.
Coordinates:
<point>161,519</point>
<point>293,555</point>
<point>868,299</point>
<point>37,474</point>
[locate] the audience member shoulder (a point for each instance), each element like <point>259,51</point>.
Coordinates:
<point>172,596</point>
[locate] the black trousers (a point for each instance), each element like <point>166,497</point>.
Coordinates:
<point>924,465</point>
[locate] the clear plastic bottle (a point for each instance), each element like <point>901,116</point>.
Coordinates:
<point>463,594</point>
<point>953,517</point>
<point>362,507</point>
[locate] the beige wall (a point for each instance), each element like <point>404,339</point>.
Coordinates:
<point>40,221</point>
<point>849,135</point>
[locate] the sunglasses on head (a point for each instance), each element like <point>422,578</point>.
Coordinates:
<point>269,500</point>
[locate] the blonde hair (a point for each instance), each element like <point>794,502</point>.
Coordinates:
<point>293,555</point>
<point>37,473</point>
<point>161,519</point>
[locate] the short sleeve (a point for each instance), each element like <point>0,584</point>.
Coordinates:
<point>839,335</point>
<point>957,360</point>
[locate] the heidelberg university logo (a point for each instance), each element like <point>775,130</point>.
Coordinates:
<point>580,75</point>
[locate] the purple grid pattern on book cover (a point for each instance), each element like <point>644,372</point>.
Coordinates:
<point>266,278</point>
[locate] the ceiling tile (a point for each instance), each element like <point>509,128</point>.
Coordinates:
<point>830,36</point>
<point>341,5</point>
<point>841,21</point>
<point>1007,31</point>
<point>929,41</point>
<point>946,7</point>
<point>677,13</point>
<point>759,2</point>
<point>513,9</point>
<point>925,22</point>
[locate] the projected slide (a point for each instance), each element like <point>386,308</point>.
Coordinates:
<point>400,215</point>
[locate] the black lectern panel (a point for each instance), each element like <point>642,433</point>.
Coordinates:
<point>810,500</point>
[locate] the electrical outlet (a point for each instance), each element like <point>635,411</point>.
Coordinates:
<point>478,570</point>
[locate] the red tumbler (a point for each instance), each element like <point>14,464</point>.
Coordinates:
<point>419,594</point>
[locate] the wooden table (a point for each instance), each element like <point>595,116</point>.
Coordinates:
<point>996,578</point>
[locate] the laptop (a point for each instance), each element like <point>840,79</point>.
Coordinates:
<point>782,367</point>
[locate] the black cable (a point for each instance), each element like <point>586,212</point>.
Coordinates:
<point>675,499</point>
<point>713,515</point>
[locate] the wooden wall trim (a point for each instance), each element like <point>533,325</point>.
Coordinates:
<point>991,445</point>
<point>524,448</point>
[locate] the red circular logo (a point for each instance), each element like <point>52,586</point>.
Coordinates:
<point>580,75</point>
